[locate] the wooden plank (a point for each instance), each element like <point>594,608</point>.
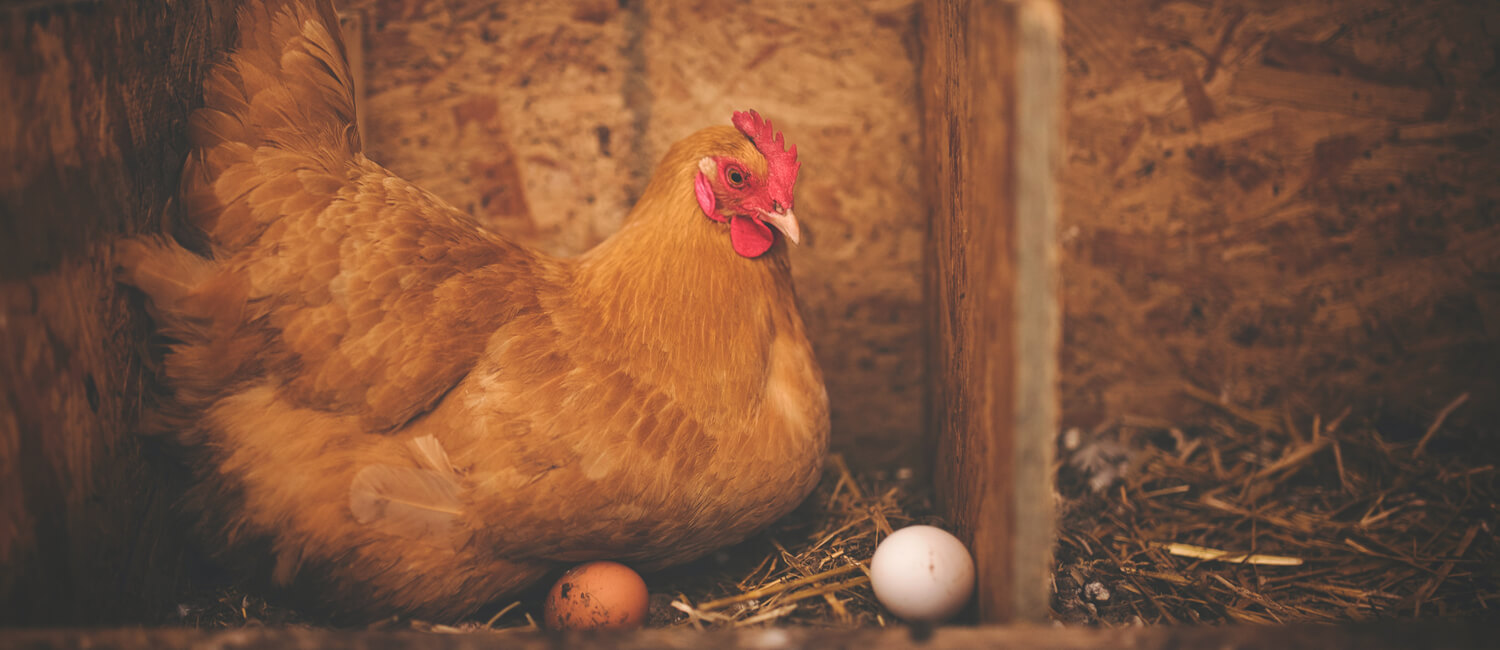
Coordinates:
<point>92,129</point>
<point>1437,634</point>
<point>1038,313</point>
<point>991,93</point>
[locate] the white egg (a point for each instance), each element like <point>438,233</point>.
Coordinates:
<point>922,573</point>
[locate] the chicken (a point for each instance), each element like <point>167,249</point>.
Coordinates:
<point>392,410</point>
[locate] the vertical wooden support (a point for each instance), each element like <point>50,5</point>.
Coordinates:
<point>991,93</point>
<point>93,129</point>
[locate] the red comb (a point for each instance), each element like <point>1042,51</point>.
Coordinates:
<point>782,163</point>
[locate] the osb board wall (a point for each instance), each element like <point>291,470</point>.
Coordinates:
<point>1281,202</point>
<point>91,132</point>
<point>545,119</point>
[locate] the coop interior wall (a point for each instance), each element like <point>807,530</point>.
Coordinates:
<point>1280,204</point>
<point>544,120</point>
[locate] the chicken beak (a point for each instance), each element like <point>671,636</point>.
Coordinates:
<point>786,222</point>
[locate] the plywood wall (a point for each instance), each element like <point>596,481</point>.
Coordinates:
<point>92,111</point>
<point>1281,204</point>
<point>544,119</point>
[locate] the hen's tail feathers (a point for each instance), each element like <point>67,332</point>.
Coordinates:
<point>168,273</point>
<point>286,87</point>
<point>286,84</point>
<point>191,300</point>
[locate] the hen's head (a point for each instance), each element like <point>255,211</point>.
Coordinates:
<point>746,181</point>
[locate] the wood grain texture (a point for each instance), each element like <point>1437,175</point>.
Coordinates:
<point>991,87</point>
<point>91,126</point>
<point>1038,152</point>
<point>1457,635</point>
<point>1282,204</point>
<point>543,120</point>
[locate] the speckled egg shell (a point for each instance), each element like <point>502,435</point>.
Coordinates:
<point>597,595</point>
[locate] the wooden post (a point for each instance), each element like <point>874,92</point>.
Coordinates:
<point>991,93</point>
<point>93,133</point>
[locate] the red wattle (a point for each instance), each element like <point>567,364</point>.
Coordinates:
<point>750,237</point>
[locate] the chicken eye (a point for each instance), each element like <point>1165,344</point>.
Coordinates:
<point>736,177</point>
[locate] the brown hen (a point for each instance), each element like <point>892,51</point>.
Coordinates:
<point>402,412</point>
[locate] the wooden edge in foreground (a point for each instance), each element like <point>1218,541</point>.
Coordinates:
<point>1378,636</point>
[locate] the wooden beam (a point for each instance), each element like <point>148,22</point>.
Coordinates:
<point>991,93</point>
<point>1435,634</point>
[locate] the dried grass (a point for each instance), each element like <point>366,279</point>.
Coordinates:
<point>1247,518</point>
<point>809,569</point>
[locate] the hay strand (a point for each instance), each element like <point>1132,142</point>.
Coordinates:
<point>1437,423</point>
<point>1216,555</point>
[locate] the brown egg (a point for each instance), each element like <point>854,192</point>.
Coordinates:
<point>597,595</point>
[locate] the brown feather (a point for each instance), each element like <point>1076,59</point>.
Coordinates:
<point>430,452</point>
<point>410,502</point>
<point>161,268</point>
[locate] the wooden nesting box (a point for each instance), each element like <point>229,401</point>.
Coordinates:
<point>1255,200</point>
